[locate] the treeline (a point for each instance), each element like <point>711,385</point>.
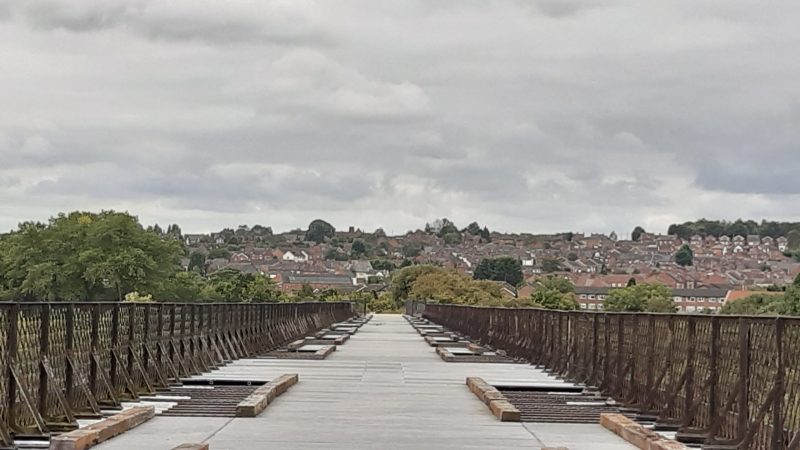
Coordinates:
<point>439,285</point>
<point>109,256</point>
<point>85,256</point>
<point>739,227</point>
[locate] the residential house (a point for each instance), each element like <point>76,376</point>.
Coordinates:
<point>193,239</point>
<point>296,256</point>
<point>240,257</point>
<point>686,300</point>
<point>361,271</point>
<point>318,282</point>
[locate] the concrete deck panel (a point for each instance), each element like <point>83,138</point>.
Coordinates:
<point>385,388</point>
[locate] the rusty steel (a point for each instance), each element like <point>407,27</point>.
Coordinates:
<point>557,407</point>
<point>723,381</point>
<point>63,361</point>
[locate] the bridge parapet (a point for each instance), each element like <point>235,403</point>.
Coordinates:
<point>723,381</point>
<point>63,361</point>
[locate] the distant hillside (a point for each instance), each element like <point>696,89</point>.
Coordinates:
<point>740,227</point>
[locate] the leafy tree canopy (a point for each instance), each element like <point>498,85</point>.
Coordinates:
<point>640,297</point>
<point>550,265</point>
<point>473,229</point>
<point>756,304</point>
<point>403,280</point>
<point>505,268</point>
<point>85,256</point>
<point>319,230</point>
<point>219,253</point>
<point>382,264</point>
<point>554,293</point>
<point>359,248</point>
<point>740,227</point>
<point>446,286</point>
<point>684,256</point>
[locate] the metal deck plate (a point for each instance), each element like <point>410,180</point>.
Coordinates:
<point>558,407</point>
<point>311,348</point>
<point>460,351</point>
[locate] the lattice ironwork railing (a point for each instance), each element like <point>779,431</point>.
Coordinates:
<point>724,381</point>
<point>61,361</point>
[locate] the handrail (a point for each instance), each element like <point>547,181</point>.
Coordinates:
<point>62,360</point>
<point>723,380</point>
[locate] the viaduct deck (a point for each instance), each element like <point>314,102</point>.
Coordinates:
<point>386,388</point>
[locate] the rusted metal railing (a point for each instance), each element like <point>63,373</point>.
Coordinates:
<point>723,381</point>
<point>62,361</point>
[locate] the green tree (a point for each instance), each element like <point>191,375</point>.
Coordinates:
<point>473,229</point>
<point>382,264</point>
<point>260,289</point>
<point>319,230</point>
<point>637,233</point>
<point>230,284</point>
<point>452,238</point>
<point>306,292</point>
<point>403,280</point>
<point>505,268</point>
<point>554,293</point>
<point>447,228</point>
<point>486,235</point>
<point>412,249</point>
<point>358,249</point>
<point>197,261</point>
<point>174,232</point>
<point>85,256</point>
<point>448,286</point>
<point>261,231</point>
<point>550,265</point>
<point>640,297</point>
<point>330,295</point>
<point>756,304</point>
<point>794,240</point>
<point>336,254</point>
<point>181,287</point>
<point>219,253</point>
<point>631,282</point>
<point>684,256</point>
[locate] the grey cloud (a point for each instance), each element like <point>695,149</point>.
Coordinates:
<point>86,15</point>
<point>530,115</point>
<point>564,8</point>
<point>239,21</point>
<point>218,188</point>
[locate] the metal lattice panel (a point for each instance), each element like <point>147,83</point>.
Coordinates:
<point>59,360</point>
<point>716,380</point>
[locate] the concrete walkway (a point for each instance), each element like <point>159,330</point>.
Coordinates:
<point>385,388</point>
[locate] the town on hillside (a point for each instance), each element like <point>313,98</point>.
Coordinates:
<point>702,270</point>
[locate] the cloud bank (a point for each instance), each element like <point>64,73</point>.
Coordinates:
<point>532,115</point>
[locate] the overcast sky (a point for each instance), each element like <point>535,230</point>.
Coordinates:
<point>536,115</point>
